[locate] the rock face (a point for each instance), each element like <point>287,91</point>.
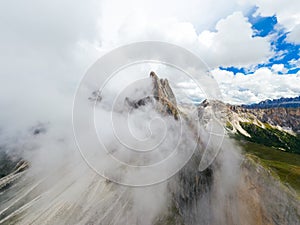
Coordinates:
<point>163,95</point>
<point>14,174</point>
<point>283,117</point>
<point>288,118</point>
<point>258,198</point>
<point>273,127</point>
<point>137,103</point>
<point>263,199</point>
<point>162,90</point>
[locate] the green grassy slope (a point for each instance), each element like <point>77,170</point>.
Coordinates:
<point>272,137</point>
<point>286,165</point>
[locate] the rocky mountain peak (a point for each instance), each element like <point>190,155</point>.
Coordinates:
<point>162,90</point>
<point>162,93</point>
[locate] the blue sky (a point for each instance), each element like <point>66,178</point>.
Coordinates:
<point>285,51</point>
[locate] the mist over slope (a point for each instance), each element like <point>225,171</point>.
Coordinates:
<point>204,178</point>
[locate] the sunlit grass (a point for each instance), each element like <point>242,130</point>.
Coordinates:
<point>285,165</point>
<point>271,137</point>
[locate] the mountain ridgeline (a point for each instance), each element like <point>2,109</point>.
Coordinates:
<point>276,103</point>
<point>269,123</point>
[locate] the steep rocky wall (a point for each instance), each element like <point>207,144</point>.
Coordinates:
<point>263,199</point>
<point>258,198</point>
<point>283,117</point>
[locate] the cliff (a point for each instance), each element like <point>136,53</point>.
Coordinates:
<point>260,196</point>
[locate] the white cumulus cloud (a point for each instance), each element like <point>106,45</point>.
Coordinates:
<point>287,14</point>
<point>258,86</point>
<point>233,43</point>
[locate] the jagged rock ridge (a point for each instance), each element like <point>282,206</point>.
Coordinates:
<point>274,127</point>
<point>276,103</point>
<point>163,95</point>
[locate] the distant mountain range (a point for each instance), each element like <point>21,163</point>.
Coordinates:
<point>276,103</point>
